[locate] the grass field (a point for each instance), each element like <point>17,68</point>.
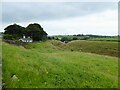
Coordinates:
<point>51,64</point>
<point>105,39</point>
<point>0,63</point>
<point>98,47</point>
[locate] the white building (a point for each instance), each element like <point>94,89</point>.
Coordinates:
<point>24,39</point>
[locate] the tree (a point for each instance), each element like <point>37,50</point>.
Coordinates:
<point>57,38</point>
<point>14,31</point>
<point>49,38</point>
<point>8,37</point>
<point>53,37</point>
<point>75,38</point>
<point>36,32</point>
<point>64,39</point>
<point>80,35</point>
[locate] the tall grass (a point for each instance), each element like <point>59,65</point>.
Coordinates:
<point>43,65</point>
<point>105,39</point>
<point>98,47</point>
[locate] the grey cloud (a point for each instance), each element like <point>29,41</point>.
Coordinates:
<point>29,11</point>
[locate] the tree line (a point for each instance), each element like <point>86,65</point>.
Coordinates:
<point>15,32</point>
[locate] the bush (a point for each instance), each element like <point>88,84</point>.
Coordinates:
<point>8,37</point>
<point>57,38</point>
<point>49,38</point>
<point>64,39</point>
<point>75,38</point>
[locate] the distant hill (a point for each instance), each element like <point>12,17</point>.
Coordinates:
<point>84,37</point>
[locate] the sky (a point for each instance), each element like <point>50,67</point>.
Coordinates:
<point>64,18</point>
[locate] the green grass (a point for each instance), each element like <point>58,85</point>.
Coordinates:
<point>0,62</point>
<point>98,47</point>
<point>44,65</point>
<point>105,39</point>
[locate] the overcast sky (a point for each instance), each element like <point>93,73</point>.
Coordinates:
<point>64,17</point>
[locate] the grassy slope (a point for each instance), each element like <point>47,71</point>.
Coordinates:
<point>0,63</point>
<point>45,65</point>
<point>105,39</point>
<point>99,47</point>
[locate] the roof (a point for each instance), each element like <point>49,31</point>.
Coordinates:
<point>26,39</point>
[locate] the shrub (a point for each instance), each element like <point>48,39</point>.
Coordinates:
<point>57,38</point>
<point>8,37</point>
<point>49,38</point>
<point>75,38</point>
<point>64,39</point>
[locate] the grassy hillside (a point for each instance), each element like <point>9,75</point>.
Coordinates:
<point>98,47</point>
<point>44,65</point>
<point>0,63</point>
<point>105,39</point>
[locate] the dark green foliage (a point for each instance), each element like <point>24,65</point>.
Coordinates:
<point>84,38</point>
<point>53,37</point>
<point>35,31</point>
<point>49,38</point>
<point>15,31</point>
<point>56,39</point>
<point>75,38</point>
<point>88,37</point>
<point>8,37</point>
<point>64,39</point>
<point>80,35</point>
<point>71,37</point>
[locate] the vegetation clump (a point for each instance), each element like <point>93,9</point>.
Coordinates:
<point>15,32</point>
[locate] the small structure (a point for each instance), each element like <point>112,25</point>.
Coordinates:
<point>24,39</point>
